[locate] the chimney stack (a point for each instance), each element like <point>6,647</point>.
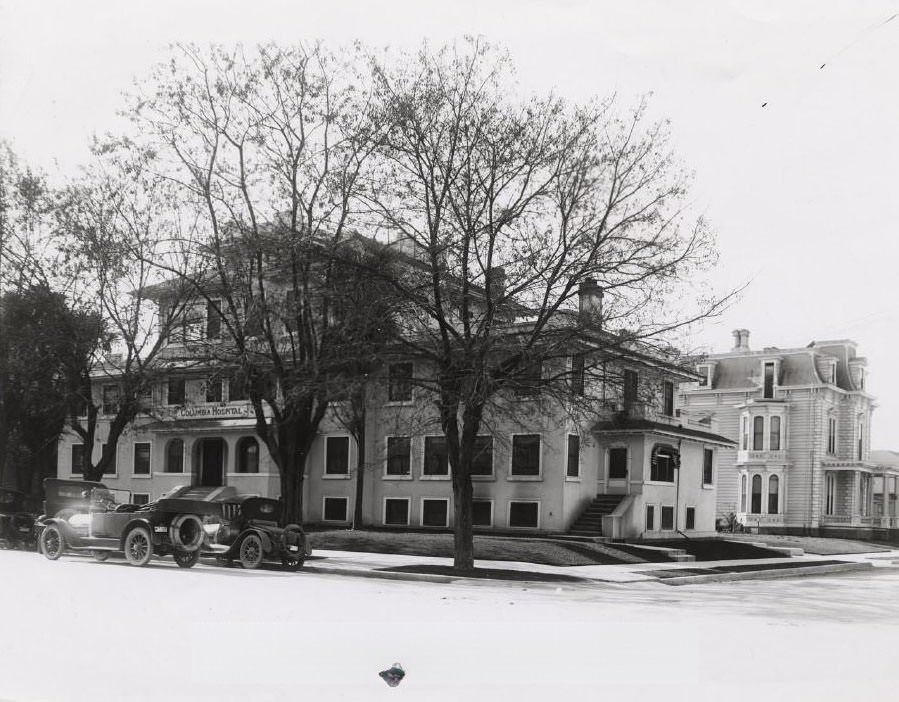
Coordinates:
<point>741,339</point>
<point>590,300</point>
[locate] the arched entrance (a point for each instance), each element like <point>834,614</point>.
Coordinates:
<point>211,462</point>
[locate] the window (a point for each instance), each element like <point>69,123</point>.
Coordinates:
<point>768,380</point>
<point>524,514</point>
<point>111,469</point>
<point>773,494</point>
<point>526,455</point>
<point>174,456</point>
<point>110,399</point>
<point>650,517</point>
<point>213,319</point>
<point>399,387</point>
<point>743,493</point>
<point>482,461</point>
<point>691,518</point>
<point>830,492</point>
<point>213,390</point>
<point>745,433</point>
<point>574,456</point>
<point>142,459</point>
<point>832,373</point>
<point>774,434</point>
<point>337,455</point>
<point>861,439</point>
<point>708,461</point>
<point>482,513</point>
<point>704,373</point>
<point>667,518</point>
<point>617,463</point>
<point>175,391</point>
<point>248,455</point>
<point>758,433</point>
<point>832,435</point>
<point>140,498</point>
<point>530,378</point>
<point>334,509</point>
<point>577,374</point>
<point>668,398</point>
<point>399,455</point>
<point>434,513</point>
<point>78,459</point>
<point>237,388</point>
<point>436,459</point>
<point>630,388</point>
<point>664,461</point>
<point>756,506</point>
<point>396,511</point>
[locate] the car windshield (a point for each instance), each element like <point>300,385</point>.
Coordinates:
<point>109,498</point>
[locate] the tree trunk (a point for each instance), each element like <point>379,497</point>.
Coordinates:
<point>463,537</point>
<point>360,473</point>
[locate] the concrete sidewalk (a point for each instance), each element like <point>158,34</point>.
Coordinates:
<point>380,565</point>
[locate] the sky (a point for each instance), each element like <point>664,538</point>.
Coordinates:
<point>786,113</point>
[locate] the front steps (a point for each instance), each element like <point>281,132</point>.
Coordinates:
<point>589,523</point>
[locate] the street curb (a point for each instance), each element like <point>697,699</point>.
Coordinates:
<point>386,574</point>
<point>767,574</point>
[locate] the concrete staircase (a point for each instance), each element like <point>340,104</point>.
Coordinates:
<point>589,523</point>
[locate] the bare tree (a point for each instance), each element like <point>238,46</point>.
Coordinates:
<point>111,224</point>
<point>499,208</point>
<point>265,148</point>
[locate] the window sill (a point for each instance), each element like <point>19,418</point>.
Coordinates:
<point>141,476</point>
<point>525,479</point>
<point>433,477</point>
<point>661,483</point>
<point>572,479</point>
<point>521,526</point>
<point>335,476</point>
<point>251,475</point>
<point>708,486</point>
<point>408,476</point>
<point>182,474</point>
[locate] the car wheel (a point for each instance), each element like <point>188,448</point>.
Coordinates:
<point>186,559</point>
<point>138,546</point>
<point>100,556</point>
<point>53,543</point>
<point>251,551</point>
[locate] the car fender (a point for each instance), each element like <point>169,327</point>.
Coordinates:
<point>72,537</point>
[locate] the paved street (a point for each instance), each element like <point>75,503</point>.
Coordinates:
<point>79,630</point>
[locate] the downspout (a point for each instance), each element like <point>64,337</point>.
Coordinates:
<point>677,492</point>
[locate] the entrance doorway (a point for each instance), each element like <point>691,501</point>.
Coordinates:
<point>212,462</point>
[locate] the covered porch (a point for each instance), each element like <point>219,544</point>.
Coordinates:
<point>859,494</point>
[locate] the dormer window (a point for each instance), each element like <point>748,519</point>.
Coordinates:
<point>705,376</point>
<point>769,379</point>
<point>832,373</point>
<point>861,378</point>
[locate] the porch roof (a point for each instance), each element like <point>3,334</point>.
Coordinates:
<point>646,426</point>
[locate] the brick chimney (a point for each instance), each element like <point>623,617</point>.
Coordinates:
<point>741,339</point>
<point>589,295</point>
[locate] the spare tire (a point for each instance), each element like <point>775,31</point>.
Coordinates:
<point>186,532</point>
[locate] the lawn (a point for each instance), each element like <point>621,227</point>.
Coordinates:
<point>811,544</point>
<point>491,548</point>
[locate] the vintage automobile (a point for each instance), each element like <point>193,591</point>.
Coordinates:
<point>249,532</point>
<point>169,526</point>
<point>16,521</point>
<point>63,498</point>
